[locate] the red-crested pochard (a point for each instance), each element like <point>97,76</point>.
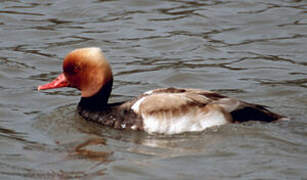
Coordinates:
<point>167,111</point>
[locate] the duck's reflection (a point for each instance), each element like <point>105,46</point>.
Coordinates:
<point>91,149</point>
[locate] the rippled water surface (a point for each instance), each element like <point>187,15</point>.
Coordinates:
<point>253,50</point>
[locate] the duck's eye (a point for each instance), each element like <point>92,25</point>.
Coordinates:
<point>72,69</point>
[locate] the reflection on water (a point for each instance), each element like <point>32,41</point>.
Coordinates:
<point>255,51</point>
<point>91,154</point>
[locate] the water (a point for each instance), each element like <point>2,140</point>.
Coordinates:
<point>252,50</point>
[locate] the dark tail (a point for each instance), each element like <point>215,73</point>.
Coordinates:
<point>255,112</point>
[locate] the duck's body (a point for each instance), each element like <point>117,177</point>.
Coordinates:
<point>173,111</point>
<point>167,111</point>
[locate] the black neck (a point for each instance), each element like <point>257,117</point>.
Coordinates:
<point>99,100</point>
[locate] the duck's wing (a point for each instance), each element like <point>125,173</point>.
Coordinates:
<point>240,111</point>
<point>174,110</point>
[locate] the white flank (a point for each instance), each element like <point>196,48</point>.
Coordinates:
<point>136,105</point>
<point>186,123</point>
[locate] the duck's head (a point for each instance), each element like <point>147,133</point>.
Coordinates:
<point>85,69</point>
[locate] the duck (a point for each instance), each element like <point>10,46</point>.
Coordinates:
<point>159,111</point>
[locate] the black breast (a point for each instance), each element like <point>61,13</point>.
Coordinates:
<point>97,109</point>
<point>112,115</point>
